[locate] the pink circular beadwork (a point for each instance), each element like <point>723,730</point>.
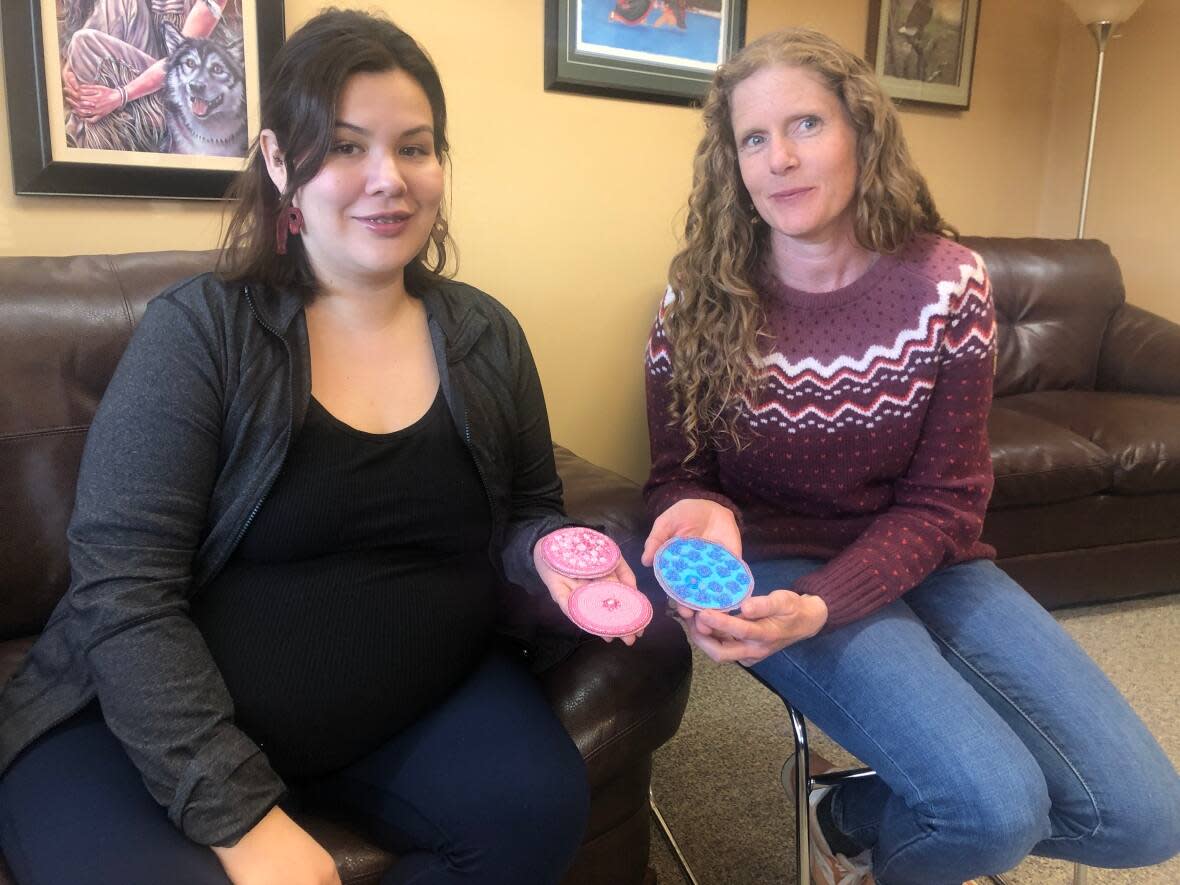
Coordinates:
<point>579,552</point>
<point>608,608</point>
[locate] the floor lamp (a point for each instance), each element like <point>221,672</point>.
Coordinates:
<point>1102,17</point>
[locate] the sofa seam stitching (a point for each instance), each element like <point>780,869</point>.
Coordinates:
<point>1110,463</point>
<point>127,314</point>
<point>49,431</point>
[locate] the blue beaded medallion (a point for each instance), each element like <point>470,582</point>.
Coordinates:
<point>701,574</point>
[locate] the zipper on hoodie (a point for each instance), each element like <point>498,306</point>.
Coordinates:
<point>286,445</point>
<point>487,492</point>
<point>494,554</point>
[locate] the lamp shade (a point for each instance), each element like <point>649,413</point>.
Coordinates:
<point>1116,11</point>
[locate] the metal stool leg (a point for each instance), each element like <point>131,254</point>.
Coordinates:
<point>801,787</point>
<point>670,839</point>
<point>801,783</point>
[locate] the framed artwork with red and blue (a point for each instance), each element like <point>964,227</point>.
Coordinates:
<point>651,50</point>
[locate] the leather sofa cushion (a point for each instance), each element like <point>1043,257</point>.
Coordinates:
<point>1140,354</point>
<point>37,480</point>
<point>1054,300</point>
<point>1140,433</point>
<point>1037,462</point>
<point>64,324</point>
<point>1084,524</point>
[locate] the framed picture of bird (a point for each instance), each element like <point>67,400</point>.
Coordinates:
<point>924,50</point>
<point>650,50</point>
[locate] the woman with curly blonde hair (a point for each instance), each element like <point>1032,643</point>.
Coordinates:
<point>717,314</point>
<point>819,379</point>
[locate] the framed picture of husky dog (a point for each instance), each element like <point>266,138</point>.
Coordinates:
<point>651,50</point>
<point>134,98</point>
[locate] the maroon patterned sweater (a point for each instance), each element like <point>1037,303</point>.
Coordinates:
<point>868,438</point>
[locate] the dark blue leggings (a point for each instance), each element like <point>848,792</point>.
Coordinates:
<point>486,788</point>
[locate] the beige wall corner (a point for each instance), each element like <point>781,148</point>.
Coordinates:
<point>1135,182</point>
<point>986,165</point>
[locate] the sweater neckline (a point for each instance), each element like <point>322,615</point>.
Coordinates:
<point>780,291</point>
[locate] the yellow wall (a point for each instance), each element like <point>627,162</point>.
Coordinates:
<point>555,216</point>
<point>1135,182</point>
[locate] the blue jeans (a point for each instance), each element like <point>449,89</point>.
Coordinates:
<point>992,733</point>
<point>486,788</point>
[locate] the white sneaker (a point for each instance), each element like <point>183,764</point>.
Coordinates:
<point>828,867</point>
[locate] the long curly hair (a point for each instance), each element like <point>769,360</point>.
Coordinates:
<point>299,103</point>
<point>714,322</point>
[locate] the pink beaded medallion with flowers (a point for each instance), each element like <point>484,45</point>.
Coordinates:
<point>608,608</point>
<point>579,552</point>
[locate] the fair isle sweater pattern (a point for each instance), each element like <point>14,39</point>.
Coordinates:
<point>863,390</point>
<point>866,438</point>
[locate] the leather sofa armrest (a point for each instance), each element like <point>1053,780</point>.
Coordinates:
<point>621,703</point>
<point>598,496</point>
<point>1140,354</point>
<point>618,703</point>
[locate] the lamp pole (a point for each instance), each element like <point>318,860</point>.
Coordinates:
<point>1102,32</point>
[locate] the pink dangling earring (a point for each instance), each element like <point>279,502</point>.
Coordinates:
<point>289,222</point>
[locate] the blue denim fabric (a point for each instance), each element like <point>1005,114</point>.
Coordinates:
<point>993,734</point>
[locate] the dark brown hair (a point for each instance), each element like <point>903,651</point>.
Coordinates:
<point>299,103</point>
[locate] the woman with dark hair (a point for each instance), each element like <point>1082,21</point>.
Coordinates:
<point>303,487</point>
<point>819,379</point>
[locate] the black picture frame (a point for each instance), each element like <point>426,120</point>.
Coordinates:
<point>901,53</point>
<point>570,69</point>
<point>37,172</point>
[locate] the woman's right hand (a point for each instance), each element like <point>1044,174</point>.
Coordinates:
<point>694,518</point>
<point>277,851</point>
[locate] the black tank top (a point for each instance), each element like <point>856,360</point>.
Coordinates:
<point>361,594</point>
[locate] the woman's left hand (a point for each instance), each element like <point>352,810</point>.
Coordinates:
<point>767,624</point>
<point>560,587</point>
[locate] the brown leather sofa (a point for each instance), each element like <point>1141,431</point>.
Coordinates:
<point>64,323</point>
<point>1085,428</point>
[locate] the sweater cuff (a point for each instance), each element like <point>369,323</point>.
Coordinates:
<point>850,588</point>
<point>227,789</point>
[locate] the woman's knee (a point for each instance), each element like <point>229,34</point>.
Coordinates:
<point>993,818</point>
<point>534,819</point>
<point>552,795</point>
<point>1138,828</point>
<point>1003,830</point>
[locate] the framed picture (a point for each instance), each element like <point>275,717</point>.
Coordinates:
<point>114,99</point>
<point>652,50</point>
<point>924,50</point>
